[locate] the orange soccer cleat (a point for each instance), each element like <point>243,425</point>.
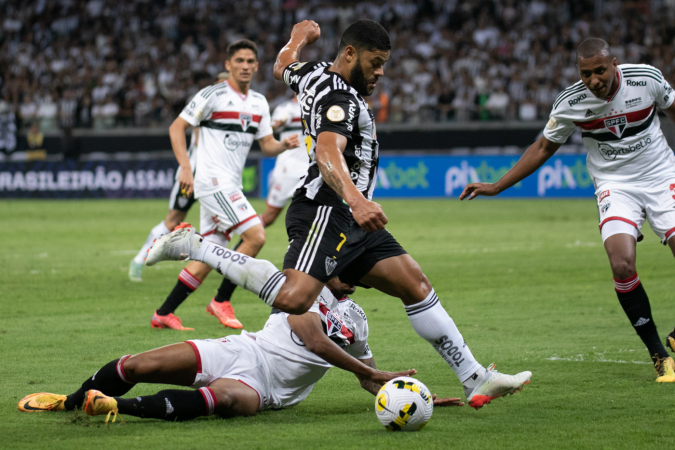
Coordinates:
<point>224,313</point>
<point>42,401</point>
<point>97,404</point>
<point>169,321</point>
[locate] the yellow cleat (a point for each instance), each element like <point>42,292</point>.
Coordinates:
<point>97,404</point>
<point>41,402</point>
<point>665,369</point>
<point>670,341</point>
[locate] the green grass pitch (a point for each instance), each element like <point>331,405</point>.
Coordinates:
<point>526,281</point>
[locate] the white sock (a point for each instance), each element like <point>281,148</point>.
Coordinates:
<point>433,324</point>
<point>157,232</point>
<point>256,275</point>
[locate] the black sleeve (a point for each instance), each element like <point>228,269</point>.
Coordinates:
<point>294,72</point>
<point>336,112</point>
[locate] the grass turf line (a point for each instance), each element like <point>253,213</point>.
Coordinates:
<point>525,281</point>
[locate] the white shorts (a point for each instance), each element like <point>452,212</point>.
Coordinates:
<point>285,180</point>
<point>624,209</point>
<point>225,212</point>
<point>233,357</point>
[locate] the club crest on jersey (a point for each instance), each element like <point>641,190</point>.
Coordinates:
<point>616,125</point>
<point>245,119</point>
<point>331,264</point>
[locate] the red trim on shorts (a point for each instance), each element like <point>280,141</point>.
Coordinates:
<point>209,233</point>
<point>669,233</point>
<point>227,232</point>
<point>256,391</point>
<point>621,219</point>
<point>197,355</point>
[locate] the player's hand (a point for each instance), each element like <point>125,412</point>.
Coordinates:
<point>186,182</point>
<point>475,189</point>
<point>307,30</point>
<point>380,376</point>
<point>369,215</point>
<point>448,401</point>
<point>291,142</point>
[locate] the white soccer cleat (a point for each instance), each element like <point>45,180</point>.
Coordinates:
<point>179,245</point>
<point>495,385</point>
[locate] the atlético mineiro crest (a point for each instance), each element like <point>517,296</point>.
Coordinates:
<point>331,264</point>
<point>616,125</point>
<point>245,119</point>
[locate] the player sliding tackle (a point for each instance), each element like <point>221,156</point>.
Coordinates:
<point>631,165</point>
<point>237,375</point>
<point>333,226</point>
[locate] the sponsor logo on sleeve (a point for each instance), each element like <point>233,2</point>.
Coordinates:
<point>578,99</point>
<point>636,83</point>
<point>552,122</point>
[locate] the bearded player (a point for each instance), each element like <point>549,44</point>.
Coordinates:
<point>237,375</point>
<point>230,117</point>
<point>632,167</point>
<point>334,227</point>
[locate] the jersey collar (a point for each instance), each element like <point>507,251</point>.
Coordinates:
<point>241,96</point>
<point>618,88</point>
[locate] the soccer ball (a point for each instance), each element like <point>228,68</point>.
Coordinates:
<point>404,404</point>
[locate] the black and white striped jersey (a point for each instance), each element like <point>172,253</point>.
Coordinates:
<point>329,103</point>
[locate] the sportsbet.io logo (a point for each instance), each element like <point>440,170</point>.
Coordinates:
<point>610,153</point>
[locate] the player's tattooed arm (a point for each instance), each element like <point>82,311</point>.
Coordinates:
<point>309,329</point>
<point>334,171</point>
<point>304,33</point>
<point>533,158</point>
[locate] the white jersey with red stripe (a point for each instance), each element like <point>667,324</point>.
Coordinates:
<point>289,114</point>
<point>228,123</point>
<point>622,134</point>
<point>293,369</point>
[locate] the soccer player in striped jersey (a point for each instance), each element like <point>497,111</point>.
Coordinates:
<point>334,227</point>
<point>230,117</point>
<point>631,164</point>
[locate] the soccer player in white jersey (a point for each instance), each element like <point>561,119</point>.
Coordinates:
<point>274,368</point>
<point>179,202</point>
<point>632,167</point>
<point>230,116</point>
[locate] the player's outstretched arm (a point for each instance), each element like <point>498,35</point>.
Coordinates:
<point>304,33</point>
<point>533,158</point>
<point>179,145</point>
<point>334,171</point>
<point>309,329</point>
<point>272,147</point>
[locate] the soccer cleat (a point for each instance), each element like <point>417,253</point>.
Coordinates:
<point>224,313</point>
<point>665,369</point>
<point>135,271</point>
<point>670,341</point>
<point>495,385</point>
<point>179,245</point>
<point>169,321</point>
<point>41,402</point>
<point>97,404</point>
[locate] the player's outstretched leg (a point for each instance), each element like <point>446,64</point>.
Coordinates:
<point>136,264</point>
<point>401,277</point>
<point>258,276</point>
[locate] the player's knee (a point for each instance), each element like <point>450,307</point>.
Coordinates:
<point>228,405</point>
<point>138,366</point>
<point>622,268</point>
<point>255,239</point>
<point>293,304</point>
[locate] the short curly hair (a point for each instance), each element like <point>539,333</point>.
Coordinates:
<point>365,35</point>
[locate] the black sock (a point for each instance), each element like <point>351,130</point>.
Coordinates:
<point>106,380</point>
<point>227,287</point>
<point>185,286</point>
<point>170,404</point>
<point>635,304</point>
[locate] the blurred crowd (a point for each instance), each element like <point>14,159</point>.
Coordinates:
<point>122,63</point>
